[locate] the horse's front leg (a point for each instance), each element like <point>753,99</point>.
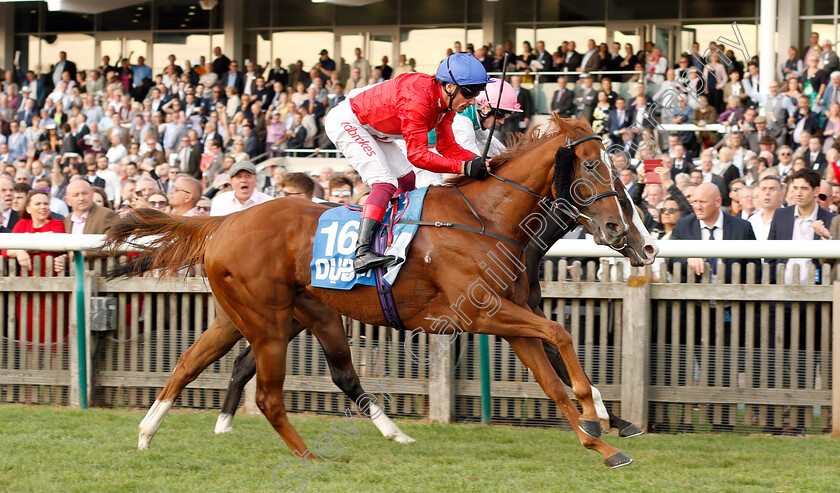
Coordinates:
<point>531,353</point>
<point>507,319</point>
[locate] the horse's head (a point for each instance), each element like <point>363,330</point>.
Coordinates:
<point>639,247</point>
<point>584,184</point>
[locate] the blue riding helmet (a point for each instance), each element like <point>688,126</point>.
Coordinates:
<point>462,69</point>
<point>466,72</point>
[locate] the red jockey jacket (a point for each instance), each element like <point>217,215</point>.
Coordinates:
<point>411,105</point>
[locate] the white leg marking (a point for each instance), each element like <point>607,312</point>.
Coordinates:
<point>600,408</point>
<point>150,424</point>
<point>387,427</point>
<point>224,424</point>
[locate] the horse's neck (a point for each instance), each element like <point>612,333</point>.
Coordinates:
<point>502,205</point>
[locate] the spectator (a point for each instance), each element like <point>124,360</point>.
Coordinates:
<point>185,196</point>
<point>100,198</point>
<point>340,190</point>
<point>814,157</point>
<point>586,99</point>
<point>325,66</point>
<point>278,73</point>
<point>221,63</point>
<point>87,217</point>
<point>710,223</point>
<point>520,121</point>
<point>112,180</point>
<point>158,202</point>
<point>232,78</point>
<point>591,61</point>
<point>243,178</point>
<point>298,185</point>
<point>63,65</point>
<point>563,99</point>
<point>146,186</point>
<point>212,161</point>
<point>802,220</point>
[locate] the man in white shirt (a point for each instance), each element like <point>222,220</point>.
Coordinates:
<point>117,150</point>
<point>243,179</point>
<point>799,221</point>
<point>769,200</point>
<point>361,64</point>
<point>112,180</point>
<point>785,165</point>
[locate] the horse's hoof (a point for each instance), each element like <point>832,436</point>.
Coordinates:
<point>401,438</point>
<point>591,428</point>
<point>617,459</point>
<point>224,424</point>
<point>630,430</point>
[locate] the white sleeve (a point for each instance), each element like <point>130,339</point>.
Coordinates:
<point>462,127</point>
<point>496,148</point>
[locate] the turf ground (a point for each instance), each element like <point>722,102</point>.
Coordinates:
<point>50,449</point>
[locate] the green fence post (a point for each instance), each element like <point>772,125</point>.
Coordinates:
<point>80,328</point>
<point>484,349</point>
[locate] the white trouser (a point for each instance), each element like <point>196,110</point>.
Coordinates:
<point>423,177</point>
<point>376,157</point>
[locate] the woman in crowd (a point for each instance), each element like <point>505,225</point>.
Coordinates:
<point>793,65</point>
<point>36,218</point>
<point>238,150</point>
<point>100,198</point>
<point>831,128</point>
<point>792,91</point>
<point>813,81</point>
<point>159,202</point>
<point>600,115</point>
<point>299,97</point>
<point>716,78</point>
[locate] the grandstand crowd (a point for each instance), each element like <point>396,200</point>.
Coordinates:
<point>92,143</point>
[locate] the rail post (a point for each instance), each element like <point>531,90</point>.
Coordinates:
<point>441,379</point>
<point>484,348</point>
<point>81,328</point>
<point>835,361</point>
<point>635,356</point>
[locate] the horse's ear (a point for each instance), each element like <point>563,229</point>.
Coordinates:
<point>559,123</point>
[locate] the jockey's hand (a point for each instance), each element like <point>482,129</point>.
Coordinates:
<point>477,168</point>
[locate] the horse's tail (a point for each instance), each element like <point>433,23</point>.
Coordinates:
<point>172,242</point>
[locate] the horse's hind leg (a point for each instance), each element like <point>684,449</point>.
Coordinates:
<point>329,329</point>
<point>532,355</point>
<point>244,369</point>
<point>214,343</point>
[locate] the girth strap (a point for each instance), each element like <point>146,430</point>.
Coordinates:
<point>443,224</point>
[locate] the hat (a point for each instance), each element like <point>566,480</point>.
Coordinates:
<point>760,119</point>
<point>323,52</point>
<point>242,166</point>
<point>25,89</point>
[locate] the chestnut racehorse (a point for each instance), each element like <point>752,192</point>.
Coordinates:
<point>259,268</point>
<point>639,248</point>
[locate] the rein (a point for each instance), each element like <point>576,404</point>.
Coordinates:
<point>569,208</point>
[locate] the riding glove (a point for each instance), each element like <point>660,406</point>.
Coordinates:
<point>476,168</point>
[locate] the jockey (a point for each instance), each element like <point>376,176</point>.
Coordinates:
<point>472,127</point>
<point>364,128</point>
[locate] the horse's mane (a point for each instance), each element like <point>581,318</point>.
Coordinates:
<point>519,144</point>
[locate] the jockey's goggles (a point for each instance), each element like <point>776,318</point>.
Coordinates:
<point>472,90</point>
<point>497,113</point>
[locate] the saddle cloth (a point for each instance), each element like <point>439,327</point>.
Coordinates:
<point>334,247</point>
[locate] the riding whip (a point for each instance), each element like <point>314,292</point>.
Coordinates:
<point>498,102</point>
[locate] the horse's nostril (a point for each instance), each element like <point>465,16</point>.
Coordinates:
<point>650,250</point>
<point>613,227</point>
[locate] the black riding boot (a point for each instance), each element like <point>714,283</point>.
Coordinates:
<point>366,259</point>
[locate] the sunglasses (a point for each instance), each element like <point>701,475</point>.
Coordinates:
<point>471,91</point>
<point>202,208</point>
<point>785,154</point>
<point>669,210</point>
<point>341,193</point>
<point>158,203</point>
<point>499,114</point>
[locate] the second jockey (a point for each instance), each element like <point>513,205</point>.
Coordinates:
<point>472,127</point>
<point>364,128</point>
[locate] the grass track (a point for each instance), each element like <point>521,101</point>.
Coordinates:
<point>50,449</point>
